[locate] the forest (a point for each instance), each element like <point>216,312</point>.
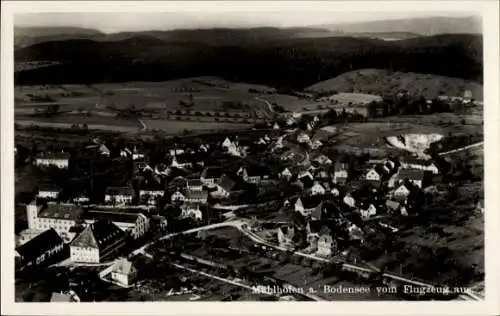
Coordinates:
<point>283,63</point>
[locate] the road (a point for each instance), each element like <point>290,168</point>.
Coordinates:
<point>269,105</point>
<point>462,148</point>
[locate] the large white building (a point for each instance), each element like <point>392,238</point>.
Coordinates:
<point>58,159</point>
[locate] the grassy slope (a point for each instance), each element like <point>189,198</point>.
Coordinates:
<point>380,81</point>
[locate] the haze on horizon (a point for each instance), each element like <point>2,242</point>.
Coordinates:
<point>114,22</point>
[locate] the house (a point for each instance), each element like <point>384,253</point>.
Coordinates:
<point>306,205</point>
<point>134,224</point>
<point>190,209</point>
<point>355,233</point>
<point>124,272</point>
<point>162,170</point>
<point>82,198</point>
<point>349,200</point>
<point>181,161</point>
<point>323,160</point>
<point>286,174</point>
<point>176,151</point>
<point>326,244</point>
<point>119,195</point>
<point>42,250</point>
<point>402,192</point>
<point>373,175</point>
<point>227,143</point>
<point>194,185</point>
<point>480,205</point>
<point>137,154</point>
<point>150,195</point>
<point>177,196</point>
<point>97,243</point>
<point>317,189</point>
<point>340,173</point>
<point>276,126</point>
<point>368,212</point>
<point>419,164</point>
<point>48,192</point>
<point>103,150</point>
<point>196,197</point>
<point>225,187</point>
<point>395,206</point>
<point>417,177</point>
<point>335,191</point>
<point>286,236</point>
<point>316,144</point>
<point>57,159</point>
<point>59,216</point>
<point>254,173</point>
<point>321,238</point>
<point>211,175</point>
<point>303,138</point>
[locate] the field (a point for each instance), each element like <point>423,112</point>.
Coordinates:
<point>206,94</point>
<point>179,126</point>
<point>369,136</point>
<point>381,81</point>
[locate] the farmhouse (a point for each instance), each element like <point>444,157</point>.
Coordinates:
<point>57,159</point>
<point>98,242</point>
<point>44,249</point>
<point>119,195</point>
<point>402,192</point>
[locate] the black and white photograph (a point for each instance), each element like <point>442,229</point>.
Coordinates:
<point>236,155</point>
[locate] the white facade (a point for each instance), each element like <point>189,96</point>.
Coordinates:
<point>317,189</point>
<point>119,199</point>
<point>62,163</point>
<point>48,194</point>
<point>178,196</point>
<point>84,254</point>
<point>373,175</point>
<point>349,200</point>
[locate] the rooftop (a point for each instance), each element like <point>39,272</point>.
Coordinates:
<point>119,191</point>
<point>115,217</point>
<point>212,172</point>
<point>53,155</point>
<point>100,234</point>
<point>61,211</point>
<point>40,244</point>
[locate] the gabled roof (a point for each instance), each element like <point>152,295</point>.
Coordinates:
<point>39,244</point>
<point>212,172</point>
<point>115,217</point>
<point>53,155</point>
<point>393,205</point>
<point>310,201</point>
<point>61,211</point>
<point>341,166</point>
<point>256,170</point>
<point>100,234</point>
<point>123,266</point>
<point>194,182</point>
<point>119,191</point>
<point>226,183</point>
<point>411,174</point>
<point>196,195</point>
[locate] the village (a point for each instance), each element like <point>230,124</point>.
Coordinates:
<point>283,182</point>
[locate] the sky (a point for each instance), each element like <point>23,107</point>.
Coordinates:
<point>111,22</point>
